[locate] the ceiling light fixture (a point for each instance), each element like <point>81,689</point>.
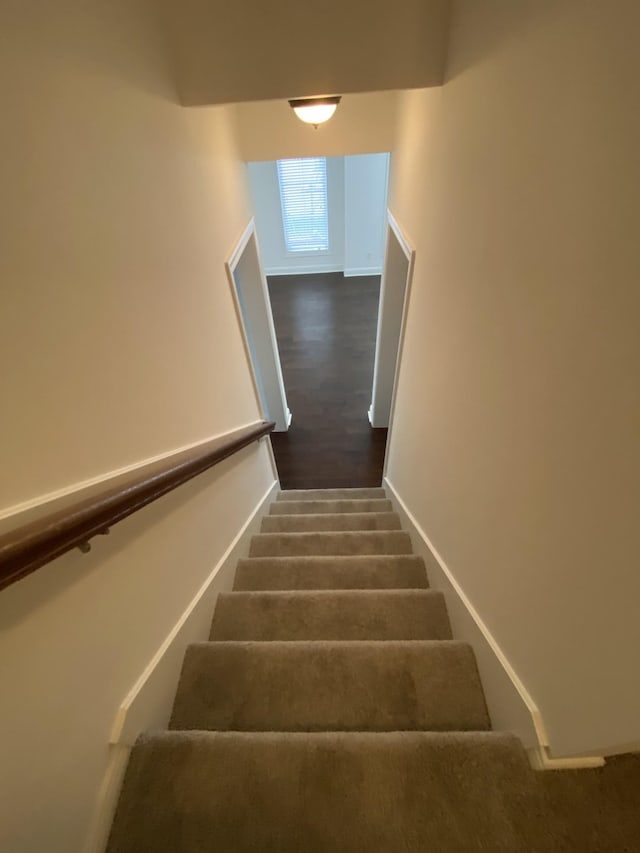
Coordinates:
<point>315,111</point>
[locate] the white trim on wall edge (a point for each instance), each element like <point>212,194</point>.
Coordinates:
<point>408,248</point>
<point>81,485</point>
<point>130,719</point>
<point>349,273</point>
<point>107,799</point>
<point>538,754</point>
<point>317,268</point>
<point>279,414</point>
<point>302,270</point>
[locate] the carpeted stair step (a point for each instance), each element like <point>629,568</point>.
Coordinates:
<point>195,792</point>
<point>331,521</point>
<point>331,615</point>
<point>307,507</point>
<point>319,544</point>
<point>330,494</point>
<point>355,572</point>
<point>330,686</point>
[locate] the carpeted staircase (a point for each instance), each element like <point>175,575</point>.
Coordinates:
<point>331,710</point>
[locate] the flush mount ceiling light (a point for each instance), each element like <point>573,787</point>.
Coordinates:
<point>315,111</point>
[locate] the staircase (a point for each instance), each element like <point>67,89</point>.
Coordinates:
<point>331,709</point>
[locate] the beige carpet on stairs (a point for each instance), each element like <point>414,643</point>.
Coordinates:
<point>333,712</point>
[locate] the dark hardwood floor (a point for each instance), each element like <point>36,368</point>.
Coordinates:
<point>326,330</point>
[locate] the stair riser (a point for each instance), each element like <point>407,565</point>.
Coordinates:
<point>330,522</point>
<point>331,616</point>
<point>331,573</point>
<point>322,686</point>
<point>331,494</point>
<point>329,544</point>
<point>306,507</point>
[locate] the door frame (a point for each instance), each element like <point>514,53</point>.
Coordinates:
<point>395,230</point>
<point>283,415</point>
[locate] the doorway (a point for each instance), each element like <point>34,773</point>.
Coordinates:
<point>394,290</point>
<point>322,228</point>
<point>253,308</point>
<point>326,327</point>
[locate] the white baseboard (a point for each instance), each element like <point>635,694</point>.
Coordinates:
<point>148,704</point>
<point>107,799</point>
<point>510,704</point>
<point>311,269</point>
<point>540,759</point>
<point>354,271</point>
<point>371,418</point>
<point>302,269</point>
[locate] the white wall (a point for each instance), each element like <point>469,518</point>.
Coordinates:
<point>356,194</point>
<point>118,342</point>
<point>247,51</point>
<point>365,206</point>
<point>515,441</point>
<point>265,191</point>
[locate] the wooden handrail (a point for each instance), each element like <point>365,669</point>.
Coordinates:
<point>31,546</point>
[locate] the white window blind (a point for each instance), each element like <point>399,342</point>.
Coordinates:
<point>303,197</point>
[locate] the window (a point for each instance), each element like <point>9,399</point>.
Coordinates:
<point>303,198</point>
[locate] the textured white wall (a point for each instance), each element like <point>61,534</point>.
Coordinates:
<point>118,341</point>
<point>365,207</point>
<point>118,209</point>
<point>515,442</point>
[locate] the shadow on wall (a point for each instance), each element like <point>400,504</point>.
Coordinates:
<point>483,36</point>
